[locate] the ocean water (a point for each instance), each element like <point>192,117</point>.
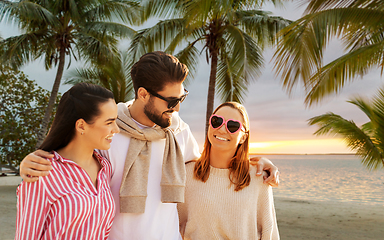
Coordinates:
<point>340,178</point>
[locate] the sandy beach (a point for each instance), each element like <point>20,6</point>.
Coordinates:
<point>297,219</point>
<point>310,220</point>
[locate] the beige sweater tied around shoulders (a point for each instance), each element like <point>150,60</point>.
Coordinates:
<point>133,188</point>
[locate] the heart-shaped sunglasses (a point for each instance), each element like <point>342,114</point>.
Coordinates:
<point>232,126</point>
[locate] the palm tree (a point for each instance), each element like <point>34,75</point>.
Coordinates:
<point>299,55</point>
<point>114,75</point>
<point>56,29</point>
<point>233,34</point>
<point>367,140</point>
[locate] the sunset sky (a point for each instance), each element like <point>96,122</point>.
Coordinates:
<point>278,120</point>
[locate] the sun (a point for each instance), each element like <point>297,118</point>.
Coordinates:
<point>310,146</point>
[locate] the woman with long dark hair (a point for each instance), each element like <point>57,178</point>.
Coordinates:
<point>224,199</point>
<point>74,201</point>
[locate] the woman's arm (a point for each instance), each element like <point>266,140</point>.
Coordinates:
<point>266,215</point>
<point>32,209</point>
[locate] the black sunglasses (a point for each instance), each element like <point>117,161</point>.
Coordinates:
<point>171,102</point>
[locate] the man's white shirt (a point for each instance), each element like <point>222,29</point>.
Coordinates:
<point>160,220</point>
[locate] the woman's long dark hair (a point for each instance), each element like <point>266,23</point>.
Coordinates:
<point>82,101</point>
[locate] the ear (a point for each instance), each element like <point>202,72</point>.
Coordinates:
<point>243,138</point>
<point>143,95</point>
<point>80,126</point>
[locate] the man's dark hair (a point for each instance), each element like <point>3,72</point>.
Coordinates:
<point>154,70</point>
<point>82,101</point>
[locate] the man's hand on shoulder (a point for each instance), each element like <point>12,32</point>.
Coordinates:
<point>264,164</point>
<point>34,165</point>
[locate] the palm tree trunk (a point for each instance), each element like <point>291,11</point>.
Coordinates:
<point>52,99</point>
<point>211,89</point>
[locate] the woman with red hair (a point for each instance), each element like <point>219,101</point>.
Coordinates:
<point>224,199</point>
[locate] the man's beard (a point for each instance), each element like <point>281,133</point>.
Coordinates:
<point>156,117</point>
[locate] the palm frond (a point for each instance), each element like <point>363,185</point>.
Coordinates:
<point>119,77</point>
<point>95,75</point>
<point>113,75</point>
<point>300,52</point>
<point>260,25</point>
<point>364,29</point>
<point>79,75</point>
<point>73,8</point>
<point>355,39</point>
<point>126,11</point>
<point>354,137</point>
<point>95,44</point>
<point>26,12</point>
<point>319,5</point>
<point>333,76</point>
<point>89,75</point>
<point>231,85</point>
<point>378,119</point>
<point>127,92</point>
<point>110,29</point>
<point>50,52</point>
<point>161,9</point>
<point>189,56</point>
<point>198,12</point>
<point>224,77</point>
<point>246,57</point>
<point>156,37</point>
<point>364,105</point>
<point>240,90</point>
<point>19,50</point>
<point>185,33</point>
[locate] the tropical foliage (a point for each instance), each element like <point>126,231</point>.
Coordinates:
<point>114,75</point>
<point>232,34</point>
<point>22,103</point>
<point>368,139</point>
<point>300,53</point>
<point>56,29</point>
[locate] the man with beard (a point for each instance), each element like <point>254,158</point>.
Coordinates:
<point>148,154</point>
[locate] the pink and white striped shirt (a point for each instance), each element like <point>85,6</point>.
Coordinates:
<point>66,204</point>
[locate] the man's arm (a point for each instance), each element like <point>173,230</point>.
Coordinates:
<point>34,165</point>
<point>264,164</point>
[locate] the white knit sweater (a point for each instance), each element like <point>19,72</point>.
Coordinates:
<point>213,210</point>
